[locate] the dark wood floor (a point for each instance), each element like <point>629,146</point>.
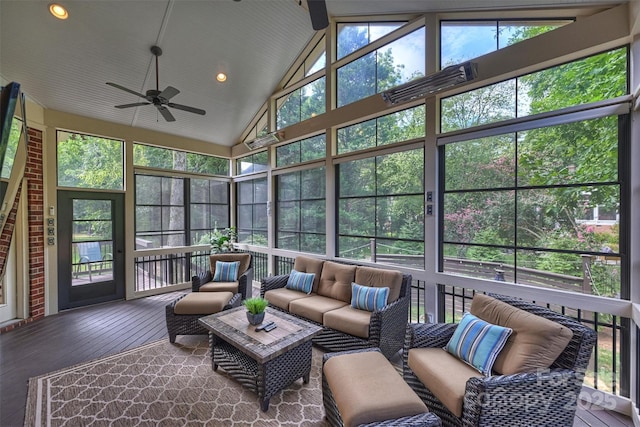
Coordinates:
<point>88,333</point>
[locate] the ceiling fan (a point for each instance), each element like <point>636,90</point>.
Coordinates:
<point>159,99</point>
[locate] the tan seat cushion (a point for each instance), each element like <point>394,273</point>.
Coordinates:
<point>379,278</point>
<point>244,258</point>
<point>367,388</point>
<point>348,320</point>
<point>314,306</point>
<point>220,287</point>
<point>202,303</point>
<point>336,280</point>
<point>306,264</point>
<point>281,297</point>
<point>535,342</point>
<point>443,374</point>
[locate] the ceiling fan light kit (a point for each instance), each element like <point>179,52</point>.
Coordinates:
<point>157,98</point>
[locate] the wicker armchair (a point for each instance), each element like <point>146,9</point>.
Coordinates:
<point>546,398</point>
<point>386,327</point>
<point>244,281</point>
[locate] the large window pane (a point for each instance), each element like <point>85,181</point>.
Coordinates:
<point>252,211</point>
<point>165,158</point>
<point>300,221</point>
<point>389,129</point>
<point>87,161</point>
<point>353,36</point>
<point>256,162</point>
<point>543,228</point>
<point>464,40</point>
<point>301,104</point>
<point>591,79</point>
<point>396,63</point>
<point>308,149</point>
<point>481,163</point>
<point>381,208</point>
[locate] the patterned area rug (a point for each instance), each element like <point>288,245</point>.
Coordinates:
<point>163,384</point>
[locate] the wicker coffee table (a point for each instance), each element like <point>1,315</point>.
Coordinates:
<point>265,362</point>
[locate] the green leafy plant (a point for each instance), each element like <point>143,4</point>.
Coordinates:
<point>223,240</point>
<point>255,305</point>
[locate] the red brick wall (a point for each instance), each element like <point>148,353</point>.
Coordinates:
<point>35,199</point>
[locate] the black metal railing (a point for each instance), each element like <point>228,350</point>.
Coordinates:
<point>159,270</point>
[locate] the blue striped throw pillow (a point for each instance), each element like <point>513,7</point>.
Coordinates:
<point>368,298</point>
<point>302,282</point>
<point>477,342</point>
<point>226,271</point>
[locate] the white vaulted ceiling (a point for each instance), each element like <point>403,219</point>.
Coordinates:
<point>64,65</point>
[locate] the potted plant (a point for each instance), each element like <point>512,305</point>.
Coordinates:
<point>255,309</point>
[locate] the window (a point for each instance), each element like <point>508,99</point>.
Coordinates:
<point>163,158</point>
<point>209,208</point>
<point>396,63</point>
<point>301,211</point>
<point>308,149</point>
<point>381,208</point>
<point>173,211</point>
<point>353,36</point>
<point>86,161</point>
<point>401,126</point>
<point>588,80</point>
<point>160,211</point>
<point>257,162</point>
<point>513,202</point>
<point>301,104</point>
<point>252,211</point>
<point>465,40</point>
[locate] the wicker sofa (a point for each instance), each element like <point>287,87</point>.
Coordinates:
<point>520,390</point>
<point>328,305</point>
<point>203,282</point>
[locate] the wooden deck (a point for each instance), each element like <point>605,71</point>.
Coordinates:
<point>84,334</point>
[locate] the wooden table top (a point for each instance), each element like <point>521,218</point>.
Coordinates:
<point>233,327</point>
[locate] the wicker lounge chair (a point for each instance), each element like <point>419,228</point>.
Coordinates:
<point>203,282</point>
<point>545,397</point>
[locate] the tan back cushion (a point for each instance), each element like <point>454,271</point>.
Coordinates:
<point>306,264</point>
<point>535,342</point>
<point>336,280</point>
<point>379,278</point>
<point>244,258</point>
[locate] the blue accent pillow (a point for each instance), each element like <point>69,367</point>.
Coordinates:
<point>368,298</point>
<point>477,342</point>
<point>302,282</point>
<point>226,271</point>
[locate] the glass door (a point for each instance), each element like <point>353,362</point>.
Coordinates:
<point>90,248</point>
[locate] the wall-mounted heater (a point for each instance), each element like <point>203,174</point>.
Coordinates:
<point>264,141</point>
<point>447,77</point>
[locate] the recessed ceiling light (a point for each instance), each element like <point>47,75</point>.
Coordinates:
<point>58,11</point>
<point>221,77</point>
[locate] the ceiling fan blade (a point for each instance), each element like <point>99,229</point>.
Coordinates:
<point>135,104</point>
<point>166,113</point>
<point>168,93</point>
<point>187,108</point>
<point>117,86</point>
<point>318,14</point>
